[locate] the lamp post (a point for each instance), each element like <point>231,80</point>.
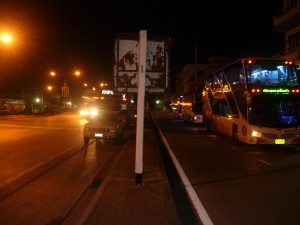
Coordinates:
<point>65,90</point>
<point>5,41</point>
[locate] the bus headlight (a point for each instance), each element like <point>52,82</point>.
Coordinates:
<point>256,134</point>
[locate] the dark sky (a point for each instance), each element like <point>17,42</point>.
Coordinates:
<point>68,35</point>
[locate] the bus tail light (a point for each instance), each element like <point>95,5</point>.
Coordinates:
<point>255,90</point>
<point>288,62</point>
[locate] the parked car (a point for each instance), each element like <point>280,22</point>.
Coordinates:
<point>106,125</point>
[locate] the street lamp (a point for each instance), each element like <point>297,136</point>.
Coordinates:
<point>6,38</point>
<point>65,92</point>
<point>77,73</point>
<point>103,85</point>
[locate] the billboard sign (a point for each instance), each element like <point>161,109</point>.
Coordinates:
<point>126,65</point>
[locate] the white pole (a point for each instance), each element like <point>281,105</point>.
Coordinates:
<point>140,106</point>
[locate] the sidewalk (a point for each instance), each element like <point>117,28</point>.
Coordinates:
<point>121,202</point>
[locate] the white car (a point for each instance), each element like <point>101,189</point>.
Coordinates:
<point>106,125</point>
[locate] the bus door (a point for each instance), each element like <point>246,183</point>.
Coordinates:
<point>223,119</point>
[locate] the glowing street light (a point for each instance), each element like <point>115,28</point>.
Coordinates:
<point>102,85</point>
<point>76,73</point>
<point>6,38</point>
<point>65,89</point>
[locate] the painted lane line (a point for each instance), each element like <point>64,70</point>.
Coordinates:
<point>265,162</point>
<point>204,217</point>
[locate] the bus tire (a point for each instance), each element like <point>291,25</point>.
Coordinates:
<point>235,134</point>
<point>211,127</point>
<point>207,124</point>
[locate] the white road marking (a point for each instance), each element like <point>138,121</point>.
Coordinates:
<point>204,217</point>
<point>265,162</point>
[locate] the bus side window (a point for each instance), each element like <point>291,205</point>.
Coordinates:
<point>225,109</point>
<point>232,73</point>
<point>241,75</point>
<point>222,78</point>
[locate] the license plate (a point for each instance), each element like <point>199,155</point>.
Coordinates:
<point>98,135</point>
<point>279,141</point>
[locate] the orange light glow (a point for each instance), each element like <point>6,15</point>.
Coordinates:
<point>255,90</point>
<point>288,62</point>
<point>6,38</point>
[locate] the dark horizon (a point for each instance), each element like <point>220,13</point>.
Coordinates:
<point>65,36</point>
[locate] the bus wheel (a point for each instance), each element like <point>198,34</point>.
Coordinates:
<point>211,128</point>
<point>206,122</point>
<point>235,134</point>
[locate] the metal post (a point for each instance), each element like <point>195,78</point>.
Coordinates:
<point>140,106</point>
<point>196,62</point>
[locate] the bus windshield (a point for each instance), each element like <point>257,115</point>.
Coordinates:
<point>277,111</point>
<point>271,73</point>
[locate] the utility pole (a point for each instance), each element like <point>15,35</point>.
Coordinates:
<point>140,106</point>
<point>196,59</point>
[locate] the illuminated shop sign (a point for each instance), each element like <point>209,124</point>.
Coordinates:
<point>107,92</point>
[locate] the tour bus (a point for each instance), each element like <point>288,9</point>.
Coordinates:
<point>192,107</point>
<point>254,101</point>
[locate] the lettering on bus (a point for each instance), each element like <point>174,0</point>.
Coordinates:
<point>276,90</point>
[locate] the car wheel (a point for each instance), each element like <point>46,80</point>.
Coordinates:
<point>86,140</point>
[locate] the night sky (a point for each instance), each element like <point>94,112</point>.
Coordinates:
<point>68,35</point>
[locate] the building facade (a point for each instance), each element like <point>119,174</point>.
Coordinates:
<point>287,21</point>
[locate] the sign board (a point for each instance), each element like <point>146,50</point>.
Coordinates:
<point>126,63</point>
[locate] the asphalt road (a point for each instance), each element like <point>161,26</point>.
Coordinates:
<point>45,167</point>
<point>236,184</point>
